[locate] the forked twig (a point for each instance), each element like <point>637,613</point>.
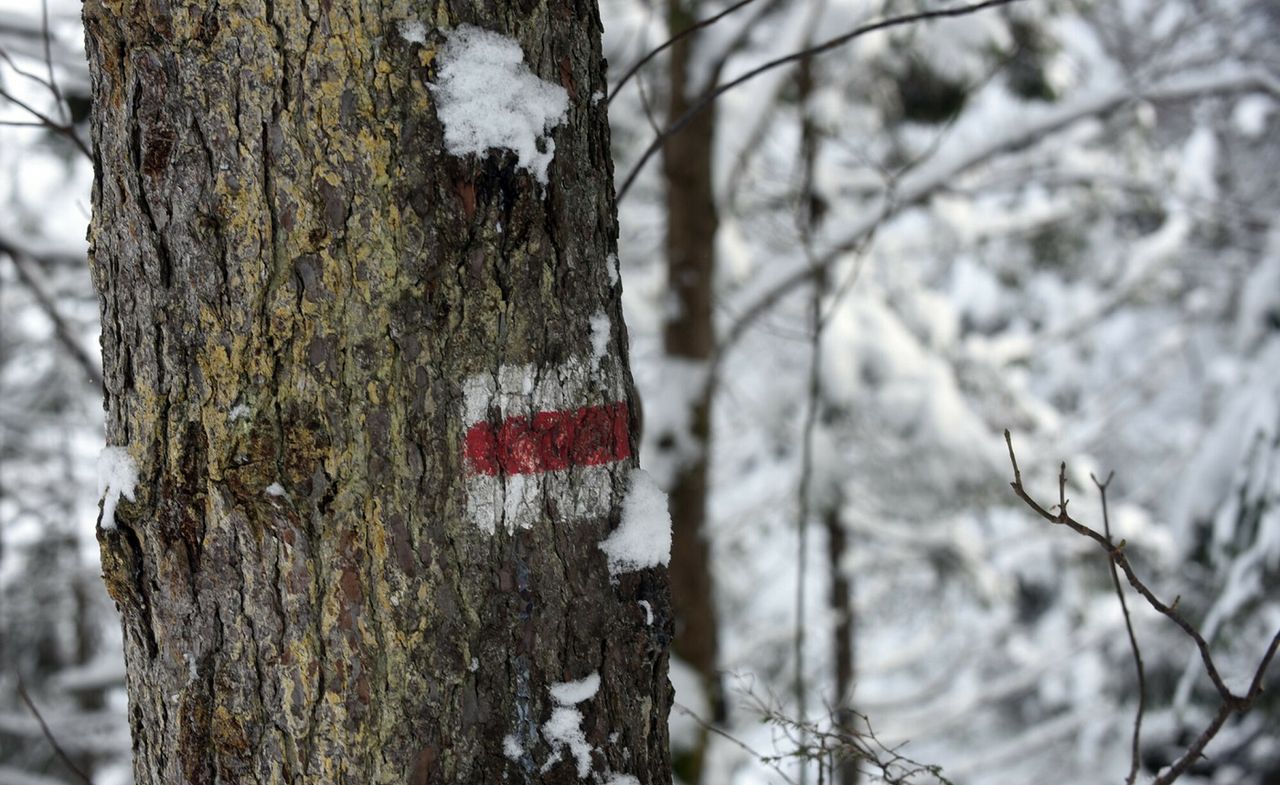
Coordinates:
<point>1128,625</point>
<point>660,48</point>
<point>711,95</point>
<point>1232,703</point>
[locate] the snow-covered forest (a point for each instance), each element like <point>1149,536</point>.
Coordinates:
<point>1055,217</point>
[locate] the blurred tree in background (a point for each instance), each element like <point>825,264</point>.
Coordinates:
<point>1056,217</point>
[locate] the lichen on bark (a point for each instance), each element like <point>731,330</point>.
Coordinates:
<point>296,281</point>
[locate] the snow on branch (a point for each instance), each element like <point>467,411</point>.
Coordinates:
<point>981,146</point>
<point>795,57</point>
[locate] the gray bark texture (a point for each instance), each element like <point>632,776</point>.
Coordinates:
<point>301,292</point>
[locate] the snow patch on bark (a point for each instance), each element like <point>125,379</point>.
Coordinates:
<point>599,336</point>
<point>567,693</point>
<point>487,98</point>
<point>564,731</point>
<point>643,538</point>
<point>511,747</point>
<point>117,476</point>
<point>614,268</point>
<point>413,31</point>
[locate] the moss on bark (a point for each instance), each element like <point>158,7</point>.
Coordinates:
<point>296,282</point>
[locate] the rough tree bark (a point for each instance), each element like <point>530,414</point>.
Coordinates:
<point>302,297</point>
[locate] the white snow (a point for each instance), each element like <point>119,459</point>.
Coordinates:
<point>511,747</point>
<point>487,98</point>
<point>648,611</point>
<point>413,31</point>
<point>1197,176</point>
<point>672,389</point>
<point>643,538</point>
<point>1251,114</point>
<point>599,336</point>
<point>621,779</point>
<point>564,729</point>
<point>612,266</point>
<point>117,476</point>
<point>274,489</point>
<point>567,693</point>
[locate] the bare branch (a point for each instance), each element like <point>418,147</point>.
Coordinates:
<point>48,122</point>
<point>940,172</point>
<point>636,66</point>
<point>22,264</point>
<point>722,733</point>
<point>838,41</point>
<point>1128,625</point>
<point>48,63</point>
<point>49,737</point>
<point>20,71</point>
<point>1231,702</point>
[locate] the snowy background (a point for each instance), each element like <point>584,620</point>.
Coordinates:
<point>1058,218</point>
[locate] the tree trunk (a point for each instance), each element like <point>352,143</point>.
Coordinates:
<point>355,555</point>
<point>813,208</point>
<point>689,336</point>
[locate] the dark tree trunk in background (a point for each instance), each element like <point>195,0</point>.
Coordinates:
<point>689,335</point>
<point>812,209</point>
<point>301,294</point>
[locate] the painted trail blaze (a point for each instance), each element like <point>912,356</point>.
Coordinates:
<point>543,444</point>
<point>550,441</point>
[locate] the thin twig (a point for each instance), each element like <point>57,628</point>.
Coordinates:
<point>919,188</point>
<point>48,62</point>
<point>1231,702</point>
<point>66,336</point>
<point>1128,625</point>
<point>20,71</point>
<point>1196,749</point>
<point>49,737</point>
<point>712,95</point>
<point>722,733</point>
<point>48,122</point>
<point>887,764</point>
<point>635,67</point>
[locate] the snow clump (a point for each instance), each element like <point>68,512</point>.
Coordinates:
<point>643,539</point>
<point>567,693</point>
<point>487,98</point>
<point>599,336</point>
<point>117,476</point>
<point>413,31</point>
<point>564,730</point>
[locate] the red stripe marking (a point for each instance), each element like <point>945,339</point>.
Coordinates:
<point>550,441</point>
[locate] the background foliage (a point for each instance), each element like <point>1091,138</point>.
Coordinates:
<point>1054,217</point>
